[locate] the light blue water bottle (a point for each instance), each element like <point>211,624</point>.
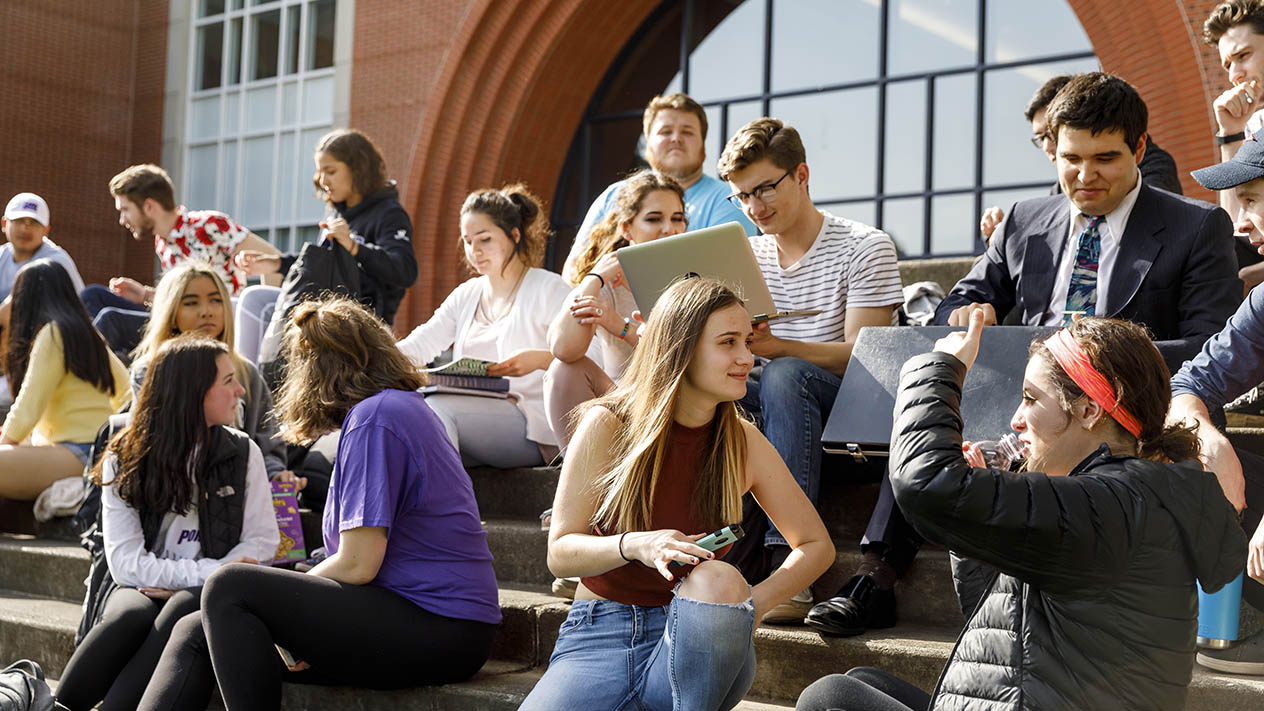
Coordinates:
<point>1218,615</point>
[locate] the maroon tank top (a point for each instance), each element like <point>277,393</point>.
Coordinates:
<point>635,583</point>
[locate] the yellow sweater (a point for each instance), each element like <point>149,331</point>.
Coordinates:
<point>57,405</point>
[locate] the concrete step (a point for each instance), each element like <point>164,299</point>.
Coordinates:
<point>788,659</point>
<point>39,566</point>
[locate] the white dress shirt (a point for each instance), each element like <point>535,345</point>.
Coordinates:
<point>1111,231</point>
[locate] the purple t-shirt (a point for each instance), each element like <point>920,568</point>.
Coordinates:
<point>397,468</point>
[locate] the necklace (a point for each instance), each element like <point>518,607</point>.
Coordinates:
<point>485,307</point>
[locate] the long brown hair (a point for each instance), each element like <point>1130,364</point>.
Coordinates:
<point>1124,354</point>
<point>336,355</point>
<point>164,448</point>
<point>607,235</point>
<point>361,156</point>
<point>644,404</point>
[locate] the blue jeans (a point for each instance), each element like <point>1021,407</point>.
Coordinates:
<point>691,655</point>
<point>792,399</point>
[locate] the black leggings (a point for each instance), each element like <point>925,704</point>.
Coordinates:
<point>354,635</point>
<point>116,658</point>
<point>862,689</point>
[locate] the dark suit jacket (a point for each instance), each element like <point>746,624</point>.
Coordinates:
<point>1175,272</point>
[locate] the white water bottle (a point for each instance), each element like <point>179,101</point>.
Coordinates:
<point>1002,453</point>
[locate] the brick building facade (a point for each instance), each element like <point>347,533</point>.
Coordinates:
<point>459,94</point>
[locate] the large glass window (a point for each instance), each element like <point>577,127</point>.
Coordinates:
<point>911,111</point>
<point>261,93</point>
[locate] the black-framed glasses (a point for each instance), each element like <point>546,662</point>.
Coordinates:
<point>764,193</point>
<point>1039,140</point>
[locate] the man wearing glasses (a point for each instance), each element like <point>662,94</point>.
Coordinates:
<point>1158,168</point>
<point>810,260</point>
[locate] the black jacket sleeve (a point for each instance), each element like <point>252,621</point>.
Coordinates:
<point>1210,290</point>
<point>1057,533</point>
<point>989,281</point>
<point>387,255</point>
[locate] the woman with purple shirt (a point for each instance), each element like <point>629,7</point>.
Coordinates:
<point>407,595</point>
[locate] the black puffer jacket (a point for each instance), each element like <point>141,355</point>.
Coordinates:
<point>1086,582</point>
<point>387,263</point>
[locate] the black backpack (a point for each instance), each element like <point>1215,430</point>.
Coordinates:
<point>22,688</point>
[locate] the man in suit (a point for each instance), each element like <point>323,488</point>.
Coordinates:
<point>1110,245</point>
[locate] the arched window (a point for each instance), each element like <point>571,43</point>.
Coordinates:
<point>911,111</point>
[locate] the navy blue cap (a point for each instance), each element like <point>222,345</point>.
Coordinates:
<point>1246,166</point>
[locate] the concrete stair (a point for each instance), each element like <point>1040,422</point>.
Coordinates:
<point>41,587</point>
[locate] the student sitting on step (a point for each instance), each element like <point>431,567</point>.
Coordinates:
<point>64,379</point>
<point>593,335</point>
<point>407,595</point>
<point>502,315</point>
<point>182,494</point>
<point>192,298</point>
<point>1081,570</point>
<point>656,465</point>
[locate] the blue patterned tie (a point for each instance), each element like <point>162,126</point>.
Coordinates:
<point>1082,291</point>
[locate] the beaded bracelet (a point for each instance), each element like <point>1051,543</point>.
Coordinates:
<point>627,323</point>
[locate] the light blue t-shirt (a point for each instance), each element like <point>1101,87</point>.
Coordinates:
<point>48,250</point>
<point>706,205</point>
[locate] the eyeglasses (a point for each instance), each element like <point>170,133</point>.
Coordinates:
<point>1039,140</point>
<point>764,193</point>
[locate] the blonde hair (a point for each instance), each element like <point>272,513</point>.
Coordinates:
<point>645,403</point>
<point>162,321</point>
<point>607,235</point>
<point>336,354</point>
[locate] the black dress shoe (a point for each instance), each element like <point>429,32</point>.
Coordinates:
<point>860,605</point>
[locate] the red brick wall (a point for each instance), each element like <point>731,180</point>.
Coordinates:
<point>83,100</point>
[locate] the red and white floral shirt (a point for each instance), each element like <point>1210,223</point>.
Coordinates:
<point>204,235</point>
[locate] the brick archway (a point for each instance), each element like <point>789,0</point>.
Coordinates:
<point>1155,45</point>
<point>505,106</point>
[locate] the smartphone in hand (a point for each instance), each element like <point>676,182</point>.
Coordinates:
<point>719,539</point>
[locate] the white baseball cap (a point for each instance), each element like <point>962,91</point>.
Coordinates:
<point>27,205</point>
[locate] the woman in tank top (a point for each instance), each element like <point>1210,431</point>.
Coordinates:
<point>655,465</point>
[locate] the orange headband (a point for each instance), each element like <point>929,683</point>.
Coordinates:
<point>1075,362</point>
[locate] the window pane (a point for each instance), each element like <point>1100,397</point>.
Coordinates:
<point>292,17</point>
<point>289,103</point>
<point>310,208</point>
<point>902,219</point>
<point>234,52</point>
<point>201,173</point>
<point>729,61</point>
<point>228,180</point>
<point>232,112</point>
<point>261,108</point>
<point>210,7</point>
<point>318,99</point>
<point>289,172</point>
<point>320,32</point>
<point>905,137</point>
<point>204,118</point>
<point>307,234</point>
<point>1008,156</point>
<point>256,178</point>
<point>926,35</point>
<point>806,50</point>
<point>281,239</point>
<point>714,142</point>
<point>210,52</point>
<point>1020,29</point>
<point>954,131</point>
<point>265,38</point>
<point>954,226</point>
<point>836,129</point>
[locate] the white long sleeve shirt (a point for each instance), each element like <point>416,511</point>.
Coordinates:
<point>176,561</point>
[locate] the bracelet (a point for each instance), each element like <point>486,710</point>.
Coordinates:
<point>1231,138</point>
<point>627,323</point>
<point>599,278</point>
<point>621,547</point>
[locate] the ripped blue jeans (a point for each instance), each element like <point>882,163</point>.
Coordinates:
<point>685,656</point>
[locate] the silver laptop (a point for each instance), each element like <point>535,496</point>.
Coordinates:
<point>722,253</point>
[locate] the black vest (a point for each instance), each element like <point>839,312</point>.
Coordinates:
<point>221,496</point>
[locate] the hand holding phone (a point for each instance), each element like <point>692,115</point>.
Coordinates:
<point>717,540</point>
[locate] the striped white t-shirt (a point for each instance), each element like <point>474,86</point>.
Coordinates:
<point>849,265</point>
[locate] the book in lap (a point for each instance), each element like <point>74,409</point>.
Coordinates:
<point>722,253</point>
<point>463,366</point>
<point>466,376</point>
